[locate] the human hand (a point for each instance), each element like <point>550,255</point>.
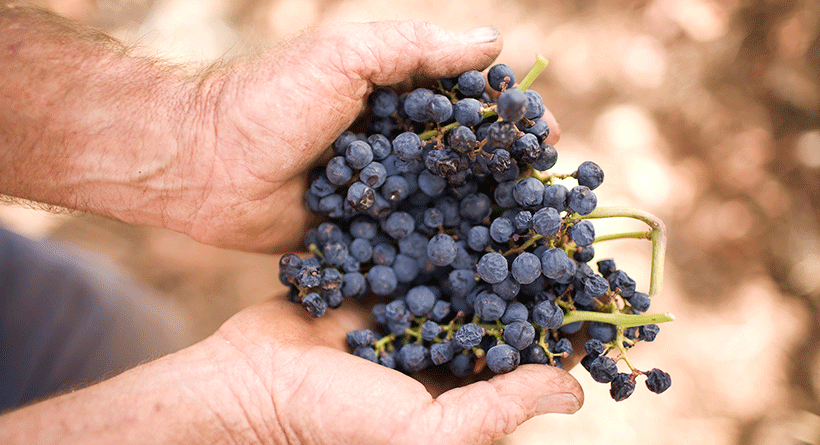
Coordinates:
<point>262,126</point>
<point>302,387</point>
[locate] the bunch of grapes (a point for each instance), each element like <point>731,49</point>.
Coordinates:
<point>446,210</point>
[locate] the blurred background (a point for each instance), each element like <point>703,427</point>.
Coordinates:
<point>703,112</point>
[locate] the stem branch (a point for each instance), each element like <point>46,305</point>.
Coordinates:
<point>618,319</point>
<point>624,235</point>
<point>657,235</point>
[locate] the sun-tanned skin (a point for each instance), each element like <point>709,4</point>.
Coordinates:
<point>221,156</point>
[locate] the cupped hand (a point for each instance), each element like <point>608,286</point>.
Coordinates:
<point>262,126</point>
<point>301,386</point>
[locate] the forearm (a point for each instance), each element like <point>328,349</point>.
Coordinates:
<point>84,125</point>
<point>182,398</point>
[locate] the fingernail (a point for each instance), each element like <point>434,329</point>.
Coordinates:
<point>563,403</point>
<point>480,35</point>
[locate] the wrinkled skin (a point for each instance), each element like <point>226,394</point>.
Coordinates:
<point>323,394</point>
<point>261,126</point>
<point>271,374</point>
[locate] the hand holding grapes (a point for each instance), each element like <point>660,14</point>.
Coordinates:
<point>266,123</point>
<point>303,365</point>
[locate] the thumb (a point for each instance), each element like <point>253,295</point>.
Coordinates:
<point>485,411</point>
<point>387,53</point>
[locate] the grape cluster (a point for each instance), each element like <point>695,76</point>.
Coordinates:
<point>446,210</point>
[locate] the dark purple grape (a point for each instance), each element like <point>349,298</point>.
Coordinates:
<point>468,336</point>
<point>527,149</point>
<point>413,357</point>
<point>415,104</point>
<point>594,347</point>
<point>555,196</point>
<point>341,143</point>
<point>501,230</point>
<point>420,300</point>
<point>441,250</point>
<point>658,381</point>
<point>500,77</point>
<point>407,146</point>
<point>548,315</point>
<point>621,387</point>
<point>360,196</point>
<point>431,184</point>
<point>489,307</point>
<point>360,337</point>
<point>353,285</point>
<point>535,105</point>
<point>439,109</point>
<point>315,304</point>
<point>528,192</point>
<point>582,200</point>
<point>373,174</point>
<point>620,282</point>
<point>525,268</point>
<point>546,221</point>
<point>471,83</point>
<point>492,267</point>
<point>383,102</point>
<point>461,365</point>
<point>440,311</point>
<point>429,330</point>
<point>648,332</point>
<point>640,301</point>
<point>603,369</point>
<point>337,171</point>
<point>398,225</point>
<point>606,267</point>
<point>467,112</point>
<point>519,334</point>
<point>590,174</point>
<point>478,238</point>
<point>515,311</point>
<point>503,358</point>
<point>358,154</point>
<point>555,264</point>
<point>500,135</point>
<point>405,268</point>
<point>512,105</point>
<point>382,280</point>
<point>367,353</point>
<point>461,282</point>
<point>462,139</point>
<point>441,353</point>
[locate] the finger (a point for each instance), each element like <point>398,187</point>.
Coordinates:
<point>552,124</point>
<point>484,411</point>
<point>386,53</point>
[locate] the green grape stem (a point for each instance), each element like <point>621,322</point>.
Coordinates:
<point>618,319</point>
<point>532,240</point>
<point>657,235</point>
<point>540,64</point>
<point>624,235</point>
<point>619,343</point>
<point>548,178</point>
<point>314,249</point>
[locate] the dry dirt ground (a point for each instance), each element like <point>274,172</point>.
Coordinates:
<point>704,112</point>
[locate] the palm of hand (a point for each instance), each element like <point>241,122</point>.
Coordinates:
<point>321,394</point>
